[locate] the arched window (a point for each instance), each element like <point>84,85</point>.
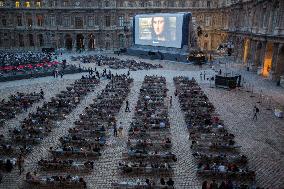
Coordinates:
<point>38,3</point>
<point>27,4</point>
<point>40,40</point>
<point>31,40</point>
<point>21,40</point>
<point>1,3</point>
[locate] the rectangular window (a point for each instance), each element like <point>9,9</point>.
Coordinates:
<point>78,23</point>
<point>52,21</point>
<point>208,21</point>
<point>1,3</point>
<point>66,21</point>
<point>107,21</point>
<point>131,21</point>
<point>121,21</point>
<point>208,4</point>
<point>28,4</point>
<point>17,4</point>
<point>19,20</point>
<point>53,3</point>
<point>38,4</point>
<point>65,3</point>
<point>30,21</point>
<point>40,21</point>
<point>4,22</point>
<point>90,21</point>
<point>21,40</point>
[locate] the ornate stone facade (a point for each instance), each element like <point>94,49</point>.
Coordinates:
<point>257,30</point>
<point>96,23</point>
<point>256,27</point>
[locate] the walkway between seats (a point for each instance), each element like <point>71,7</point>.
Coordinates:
<point>185,171</point>
<point>105,168</point>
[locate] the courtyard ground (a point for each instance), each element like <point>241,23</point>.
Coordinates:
<point>262,140</point>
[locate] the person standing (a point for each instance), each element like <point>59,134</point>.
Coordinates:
<point>120,129</point>
<point>41,94</point>
<point>256,111</point>
<point>20,162</point>
<point>114,130</point>
<point>127,107</point>
<point>171,101</point>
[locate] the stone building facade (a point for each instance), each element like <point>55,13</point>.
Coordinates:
<point>96,24</point>
<point>255,27</point>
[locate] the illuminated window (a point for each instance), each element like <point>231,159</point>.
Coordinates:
<point>1,3</point>
<point>17,4</point>
<point>38,4</point>
<point>27,4</point>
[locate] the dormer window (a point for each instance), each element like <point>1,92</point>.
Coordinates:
<point>38,4</point>
<point>17,4</point>
<point>27,4</point>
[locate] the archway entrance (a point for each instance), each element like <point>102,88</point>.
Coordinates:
<point>92,42</point>
<point>280,63</point>
<point>80,42</point>
<point>246,50</point>
<point>267,60</point>
<point>68,42</point>
<point>40,40</point>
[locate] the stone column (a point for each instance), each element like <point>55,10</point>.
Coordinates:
<point>262,56</point>
<point>85,41</point>
<point>74,44</point>
<point>273,71</point>
<point>251,54</point>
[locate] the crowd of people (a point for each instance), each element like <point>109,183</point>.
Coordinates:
<point>39,124</point>
<point>116,63</point>
<point>149,143</point>
<point>213,146</point>
<point>17,103</point>
<point>56,181</point>
<point>22,58</point>
<point>85,141</point>
<point>24,65</point>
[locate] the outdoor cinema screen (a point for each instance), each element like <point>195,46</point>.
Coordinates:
<point>161,29</point>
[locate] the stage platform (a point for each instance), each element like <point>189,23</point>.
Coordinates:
<point>159,53</point>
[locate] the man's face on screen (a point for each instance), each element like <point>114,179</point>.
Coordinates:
<point>158,25</point>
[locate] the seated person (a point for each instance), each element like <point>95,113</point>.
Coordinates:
<point>170,182</point>
<point>162,181</point>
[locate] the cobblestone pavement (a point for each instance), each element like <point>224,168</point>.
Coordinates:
<point>105,171</point>
<point>185,171</point>
<point>262,140</point>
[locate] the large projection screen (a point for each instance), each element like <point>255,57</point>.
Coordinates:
<point>161,29</point>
